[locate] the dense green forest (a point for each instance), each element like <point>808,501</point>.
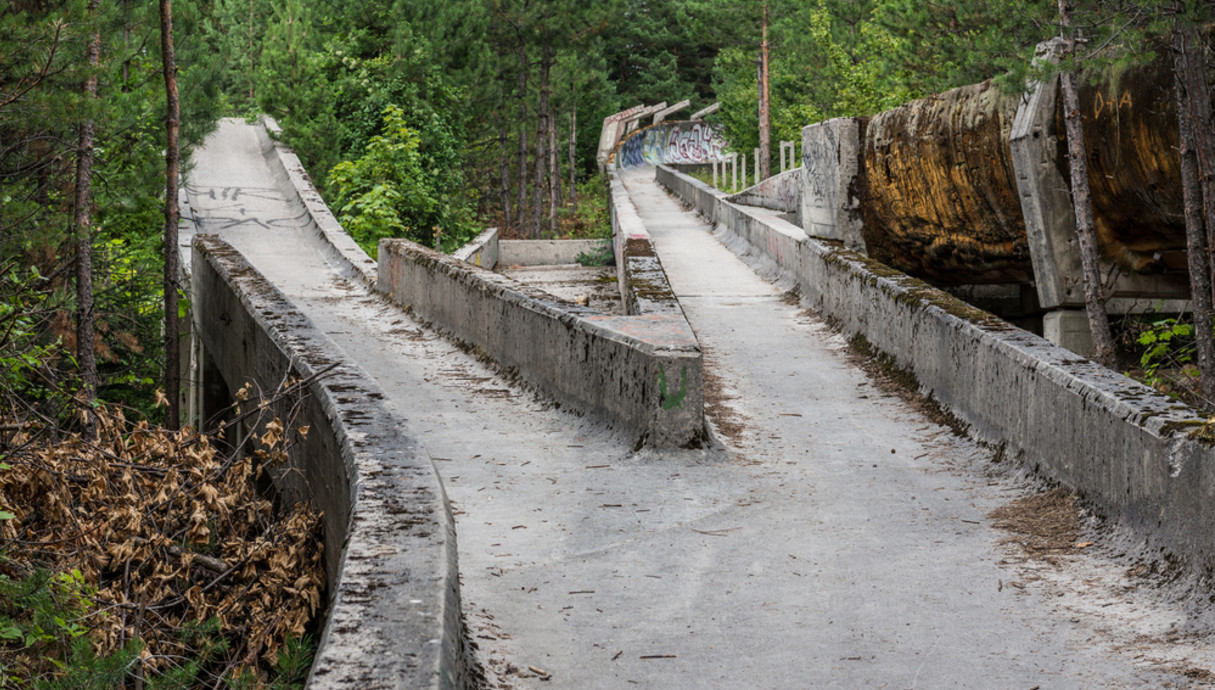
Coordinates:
<point>416,119</point>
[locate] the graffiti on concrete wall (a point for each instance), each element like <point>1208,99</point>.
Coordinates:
<point>672,143</point>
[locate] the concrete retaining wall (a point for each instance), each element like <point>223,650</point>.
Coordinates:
<point>1117,442</point>
<point>640,373</point>
<point>390,550</point>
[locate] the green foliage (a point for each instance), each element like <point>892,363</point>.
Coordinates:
<point>387,192</point>
<point>43,643</point>
<point>601,255</point>
<point>1168,344</point>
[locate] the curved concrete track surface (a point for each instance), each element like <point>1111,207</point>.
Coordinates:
<point>838,539</point>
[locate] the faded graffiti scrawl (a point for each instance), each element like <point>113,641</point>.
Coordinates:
<point>672,142</point>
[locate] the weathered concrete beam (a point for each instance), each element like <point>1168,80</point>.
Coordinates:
<point>665,112</point>
<point>705,112</point>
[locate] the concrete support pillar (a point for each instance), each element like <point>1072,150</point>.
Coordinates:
<point>744,170</point>
<point>1069,328</point>
<point>734,173</point>
<point>714,163</point>
<point>831,160</point>
<point>1050,221</point>
<point>758,172</point>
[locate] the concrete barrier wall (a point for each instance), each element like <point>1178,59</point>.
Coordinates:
<point>483,251</point>
<point>545,252</point>
<point>641,373</point>
<point>644,288</point>
<point>390,550</point>
<point>1122,446</point>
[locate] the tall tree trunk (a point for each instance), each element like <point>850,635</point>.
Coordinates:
<point>521,209</point>
<point>573,153</point>
<point>82,223</point>
<point>765,127</point>
<point>1094,297</point>
<point>505,193</point>
<point>1192,107</point>
<point>546,64</point>
<point>554,175</point>
<point>1198,106</point>
<point>1196,227</point>
<point>172,170</point>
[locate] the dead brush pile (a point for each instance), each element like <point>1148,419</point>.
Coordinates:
<point>179,571</point>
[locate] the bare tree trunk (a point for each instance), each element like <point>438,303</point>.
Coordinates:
<point>1188,68</point>
<point>554,185</point>
<point>1094,297</point>
<point>546,63</point>
<point>765,125</point>
<point>505,193</point>
<point>573,153</point>
<point>172,170</point>
<point>86,357</point>
<point>521,210</point>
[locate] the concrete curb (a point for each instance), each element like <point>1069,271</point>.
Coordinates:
<point>641,373</point>
<point>390,549</point>
<point>1121,445</point>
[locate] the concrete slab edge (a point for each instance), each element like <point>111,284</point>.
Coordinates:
<point>395,619</point>
<point>312,211</point>
<point>640,374</point>
<point>1121,445</point>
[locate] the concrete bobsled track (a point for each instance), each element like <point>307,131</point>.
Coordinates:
<point>833,536</point>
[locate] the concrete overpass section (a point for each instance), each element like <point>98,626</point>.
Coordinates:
<point>837,538</point>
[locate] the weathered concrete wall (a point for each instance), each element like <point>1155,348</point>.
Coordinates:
<point>640,373</point>
<point>670,142</point>
<point>390,551</point>
<point>1117,442</point>
<point>939,197</point>
<point>781,192</point>
<point>483,251</point>
<point>832,181</point>
<point>545,252</point>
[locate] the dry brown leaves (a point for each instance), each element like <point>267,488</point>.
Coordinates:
<point>1044,525</point>
<point>170,532</point>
